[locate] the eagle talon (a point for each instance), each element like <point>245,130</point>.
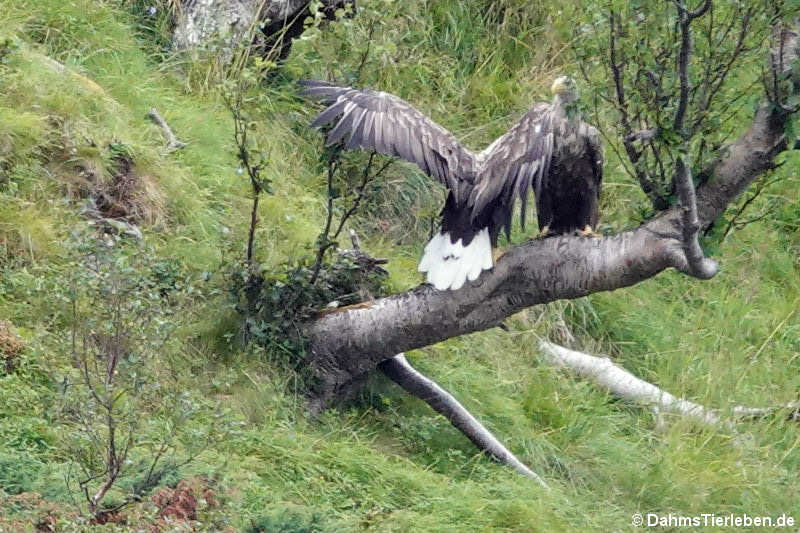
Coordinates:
<point>587,231</point>
<point>545,232</point>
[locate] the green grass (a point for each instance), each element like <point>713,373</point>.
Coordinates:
<point>387,462</point>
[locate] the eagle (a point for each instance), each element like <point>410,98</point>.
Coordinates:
<point>550,150</point>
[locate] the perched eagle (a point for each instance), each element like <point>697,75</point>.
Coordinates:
<point>549,150</point>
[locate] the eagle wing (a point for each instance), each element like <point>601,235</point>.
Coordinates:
<point>514,163</point>
<point>595,148</point>
<point>385,123</point>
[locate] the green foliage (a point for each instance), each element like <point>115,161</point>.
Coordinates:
<point>628,54</point>
<point>119,323</point>
<point>18,472</point>
<point>276,306</point>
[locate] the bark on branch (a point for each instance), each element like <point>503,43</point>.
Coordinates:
<point>699,265</point>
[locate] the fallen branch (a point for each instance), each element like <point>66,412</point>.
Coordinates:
<point>401,372</point>
<point>172,142</point>
<point>602,371</point>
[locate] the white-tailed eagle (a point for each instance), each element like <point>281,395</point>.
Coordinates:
<point>550,150</point>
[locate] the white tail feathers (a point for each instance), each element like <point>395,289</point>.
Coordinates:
<point>449,264</point>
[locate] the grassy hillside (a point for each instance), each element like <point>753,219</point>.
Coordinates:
<point>76,81</point>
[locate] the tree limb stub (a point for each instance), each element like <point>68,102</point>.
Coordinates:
<point>699,266</point>
<point>399,370</point>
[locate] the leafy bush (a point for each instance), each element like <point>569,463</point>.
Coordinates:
<point>120,320</point>
<point>275,306</point>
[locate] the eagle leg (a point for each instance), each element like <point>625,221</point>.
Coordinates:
<point>545,232</point>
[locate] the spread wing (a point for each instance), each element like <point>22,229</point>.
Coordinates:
<point>385,123</point>
<point>513,164</point>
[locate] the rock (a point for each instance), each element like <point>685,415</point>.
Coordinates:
<point>224,23</point>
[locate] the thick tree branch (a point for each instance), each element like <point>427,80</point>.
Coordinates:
<point>353,340</point>
<point>401,372</point>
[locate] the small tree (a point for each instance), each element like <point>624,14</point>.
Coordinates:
<point>636,59</point>
<point>120,322</point>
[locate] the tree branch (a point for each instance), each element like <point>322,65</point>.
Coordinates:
<point>353,340</point>
<point>172,142</point>
<point>699,266</point>
<point>685,18</point>
<point>603,372</point>
<point>401,372</point>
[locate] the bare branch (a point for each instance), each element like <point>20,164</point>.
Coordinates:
<point>685,18</point>
<point>360,192</point>
<point>700,11</point>
<point>734,222</point>
<point>622,383</point>
<point>326,240</point>
<point>401,372</point>
<point>324,243</point>
<point>713,83</point>
<point>172,142</point>
<point>603,372</point>
<point>617,74</point>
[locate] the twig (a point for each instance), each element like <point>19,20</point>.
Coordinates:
<point>365,54</point>
<point>401,372</point>
<point>172,142</point>
<point>258,184</point>
<point>734,223</point>
<point>323,238</point>
<point>712,85</point>
<point>685,17</point>
<point>602,371</point>
<point>326,241</point>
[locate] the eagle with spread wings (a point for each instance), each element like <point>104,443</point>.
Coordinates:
<point>550,150</point>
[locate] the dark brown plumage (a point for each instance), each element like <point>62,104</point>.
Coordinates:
<point>550,150</point>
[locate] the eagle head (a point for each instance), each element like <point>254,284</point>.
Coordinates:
<point>565,89</point>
